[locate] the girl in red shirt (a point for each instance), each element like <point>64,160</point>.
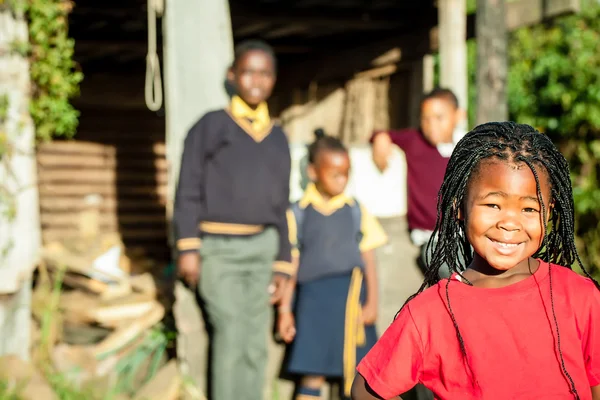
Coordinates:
<point>516,323</point>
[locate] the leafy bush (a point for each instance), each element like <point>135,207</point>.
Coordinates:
<point>554,85</point>
<point>53,71</point>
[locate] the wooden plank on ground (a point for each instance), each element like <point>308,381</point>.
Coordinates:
<point>113,316</point>
<point>81,282</point>
<point>122,336</point>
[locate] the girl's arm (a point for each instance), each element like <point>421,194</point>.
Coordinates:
<point>288,294</point>
<point>286,324</point>
<point>596,393</point>
<point>362,391</point>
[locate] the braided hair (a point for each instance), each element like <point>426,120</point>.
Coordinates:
<point>324,142</point>
<point>512,143</point>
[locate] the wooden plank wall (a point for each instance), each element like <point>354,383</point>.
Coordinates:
<point>350,110</point>
<point>118,160</point>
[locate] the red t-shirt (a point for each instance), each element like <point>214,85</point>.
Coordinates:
<point>509,336</point>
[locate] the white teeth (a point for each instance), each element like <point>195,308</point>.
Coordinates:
<point>506,245</point>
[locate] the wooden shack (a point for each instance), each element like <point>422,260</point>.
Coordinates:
<point>343,65</point>
<point>348,66</point>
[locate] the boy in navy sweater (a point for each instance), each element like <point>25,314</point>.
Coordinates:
<point>230,222</point>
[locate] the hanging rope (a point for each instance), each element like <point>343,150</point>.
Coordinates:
<point>153,88</point>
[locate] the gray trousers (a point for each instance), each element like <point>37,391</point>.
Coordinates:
<point>236,272</point>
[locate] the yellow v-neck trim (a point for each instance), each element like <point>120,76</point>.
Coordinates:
<point>243,123</point>
<point>241,113</point>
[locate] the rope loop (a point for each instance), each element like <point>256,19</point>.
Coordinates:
<point>153,91</point>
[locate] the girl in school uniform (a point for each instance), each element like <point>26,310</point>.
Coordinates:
<point>330,307</point>
<point>517,322</point>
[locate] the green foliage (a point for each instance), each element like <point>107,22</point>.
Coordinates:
<point>53,71</point>
<point>54,82</point>
<point>554,85</point>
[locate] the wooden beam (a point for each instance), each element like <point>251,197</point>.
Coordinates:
<point>317,21</point>
<point>523,13</point>
<point>287,30</point>
<point>345,63</point>
<point>240,30</point>
<point>492,61</point>
<point>519,14</point>
<point>329,16</point>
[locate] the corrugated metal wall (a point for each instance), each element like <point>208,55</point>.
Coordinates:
<point>118,160</point>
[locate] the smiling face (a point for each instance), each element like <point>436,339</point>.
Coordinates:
<point>330,172</point>
<point>439,118</point>
<point>253,76</point>
<point>502,214</point>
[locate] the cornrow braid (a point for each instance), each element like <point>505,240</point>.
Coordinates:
<point>513,143</point>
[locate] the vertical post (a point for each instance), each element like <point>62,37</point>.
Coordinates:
<point>452,23</point>
<point>20,237</point>
<point>198,49</point>
<point>492,63</point>
<point>421,81</point>
<point>428,72</point>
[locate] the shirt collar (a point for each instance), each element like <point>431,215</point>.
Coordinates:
<point>326,207</point>
<point>260,116</point>
<point>446,149</point>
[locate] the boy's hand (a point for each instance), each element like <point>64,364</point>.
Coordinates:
<point>382,149</point>
<point>277,288</point>
<point>369,313</point>
<point>188,267</point>
<point>286,326</point>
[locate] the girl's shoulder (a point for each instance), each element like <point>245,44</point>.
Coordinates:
<point>572,284</point>
<point>429,303</point>
<point>568,277</point>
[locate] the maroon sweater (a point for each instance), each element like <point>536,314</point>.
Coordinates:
<point>426,169</point>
